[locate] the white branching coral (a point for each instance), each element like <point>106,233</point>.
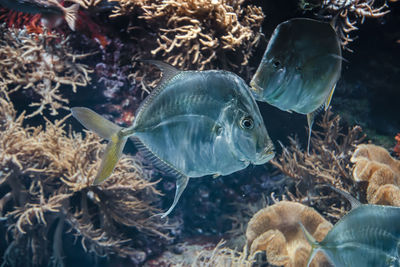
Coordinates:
<point>42,63</point>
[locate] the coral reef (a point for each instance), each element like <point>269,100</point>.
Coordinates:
<point>198,34</point>
<point>221,256</point>
<point>349,13</point>
<point>327,164</point>
<point>45,184</point>
<point>382,172</point>
<point>43,63</point>
<point>276,230</point>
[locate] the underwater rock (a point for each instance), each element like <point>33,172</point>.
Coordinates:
<point>276,231</point>
<point>382,172</point>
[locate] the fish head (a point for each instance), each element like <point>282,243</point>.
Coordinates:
<point>270,74</point>
<point>247,132</point>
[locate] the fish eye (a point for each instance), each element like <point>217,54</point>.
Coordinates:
<point>247,122</point>
<point>276,64</point>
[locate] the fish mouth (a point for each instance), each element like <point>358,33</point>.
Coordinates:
<point>266,155</point>
<point>255,89</point>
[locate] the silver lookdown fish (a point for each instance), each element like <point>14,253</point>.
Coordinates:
<point>51,10</point>
<point>300,68</point>
<point>195,123</point>
<point>369,235</point>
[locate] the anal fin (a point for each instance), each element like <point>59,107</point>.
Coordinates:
<point>181,184</point>
<point>310,122</point>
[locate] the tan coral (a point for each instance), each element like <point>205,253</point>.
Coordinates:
<point>200,34</point>
<point>276,230</point>
<point>45,183</point>
<point>42,63</point>
<point>382,172</point>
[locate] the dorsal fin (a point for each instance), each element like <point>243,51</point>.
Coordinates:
<point>168,72</point>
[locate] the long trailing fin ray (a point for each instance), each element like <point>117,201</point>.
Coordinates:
<point>181,184</point>
<point>71,15</point>
<point>95,122</point>
<point>168,72</point>
<point>310,122</point>
<point>315,246</point>
<point>110,158</point>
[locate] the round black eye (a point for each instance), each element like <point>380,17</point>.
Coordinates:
<point>247,123</point>
<point>276,64</point>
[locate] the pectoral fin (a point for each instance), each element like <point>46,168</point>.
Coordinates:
<point>181,184</point>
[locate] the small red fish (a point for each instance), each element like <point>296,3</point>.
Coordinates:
<point>51,10</point>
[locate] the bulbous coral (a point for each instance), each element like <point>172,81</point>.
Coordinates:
<point>42,63</point>
<point>276,230</point>
<point>200,34</point>
<point>375,165</point>
<point>45,184</point>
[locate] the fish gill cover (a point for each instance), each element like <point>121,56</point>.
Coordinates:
<point>52,215</point>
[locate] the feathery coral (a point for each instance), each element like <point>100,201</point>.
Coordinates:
<point>375,165</point>
<point>276,230</point>
<point>327,164</point>
<point>45,180</point>
<point>42,63</point>
<point>200,34</point>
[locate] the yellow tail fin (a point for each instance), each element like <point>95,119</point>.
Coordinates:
<point>107,130</point>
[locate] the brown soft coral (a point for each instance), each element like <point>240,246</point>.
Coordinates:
<point>45,180</point>
<point>327,164</point>
<point>199,34</point>
<point>276,230</point>
<point>42,63</point>
<point>375,165</point>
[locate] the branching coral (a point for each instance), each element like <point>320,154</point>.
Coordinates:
<point>276,230</point>
<point>200,34</point>
<point>221,256</point>
<point>327,164</point>
<point>349,12</point>
<point>45,182</point>
<point>42,63</point>
<point>375,165</point>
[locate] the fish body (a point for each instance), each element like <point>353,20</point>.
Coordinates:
<point>195,123</point>
<point>300,67</point>
<point>51,10</point>
<point>368,235</point>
